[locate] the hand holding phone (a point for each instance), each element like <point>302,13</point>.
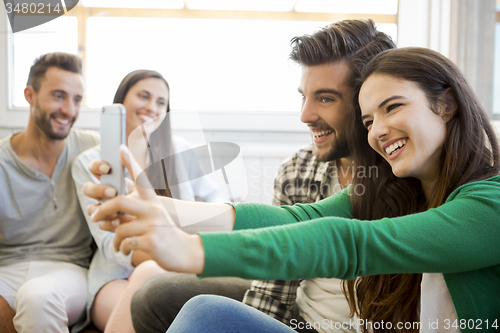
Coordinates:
<point>113,131</point>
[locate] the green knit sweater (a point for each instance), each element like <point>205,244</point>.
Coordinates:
<point>460,239</point>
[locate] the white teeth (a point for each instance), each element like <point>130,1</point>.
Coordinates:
<point>62,121</point>
<point>144,117</point>
<point>392,148</point>
<point>321,133</point>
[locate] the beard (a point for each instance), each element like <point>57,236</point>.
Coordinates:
<point>339,149</point>
<point>43,122</point>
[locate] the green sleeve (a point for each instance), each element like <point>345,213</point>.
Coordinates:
<point>255,215</point>
<point>461,235</point>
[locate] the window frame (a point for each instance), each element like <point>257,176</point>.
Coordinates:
<point>16,117</point>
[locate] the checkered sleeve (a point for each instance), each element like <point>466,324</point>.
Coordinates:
<point>276,298</point>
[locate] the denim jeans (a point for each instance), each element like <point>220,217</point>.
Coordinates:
<point>216,314</point>
<point>159,300</point>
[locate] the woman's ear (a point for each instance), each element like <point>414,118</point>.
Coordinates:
<point>449,108</point>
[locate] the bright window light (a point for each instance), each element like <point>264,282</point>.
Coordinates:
<point>254,5</point>
<point>151,4</point>
<point>390,29</point>
<point>388,7</point>
<point>208,65</point>
<point>59,35</point>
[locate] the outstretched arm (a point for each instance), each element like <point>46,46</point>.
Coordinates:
<point>191,216</point>
<point>151,230</point>
<point>461,235</point>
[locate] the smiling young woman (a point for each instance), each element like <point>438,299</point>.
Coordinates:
<point>113,277</point>
<point>420,245</point>
<point>402,127</point>
<point>417,97</point>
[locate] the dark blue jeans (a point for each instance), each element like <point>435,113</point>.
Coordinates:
<point>158,301</point>
<point>216,314</point>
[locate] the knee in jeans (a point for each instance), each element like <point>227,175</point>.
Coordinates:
<point>139,299</point>
<point>209,303</point>
<point>145,298</point>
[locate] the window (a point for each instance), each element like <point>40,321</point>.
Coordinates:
<point>59,35</point>
<point>216,55</point>
<point>210,64</point>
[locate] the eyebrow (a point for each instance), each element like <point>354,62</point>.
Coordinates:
<point>388,100</point>
<point>59,91</point>
<point>324,91</point>
<point>383,103</point>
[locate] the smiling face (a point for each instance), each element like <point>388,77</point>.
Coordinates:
<point>145,101</point>
<point>326,98</point>
<point>402,127</point>
<point>56,105</point>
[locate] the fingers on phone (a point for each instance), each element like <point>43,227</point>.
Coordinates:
<point>106,225</point>
<point>109,192</point>
<point>98,191</point>
<point>98,168</point>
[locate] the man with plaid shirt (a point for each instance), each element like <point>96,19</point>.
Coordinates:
<point>303,178</point>
<point>331,61</point>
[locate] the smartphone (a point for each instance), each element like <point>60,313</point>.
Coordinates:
<point>113,132</point>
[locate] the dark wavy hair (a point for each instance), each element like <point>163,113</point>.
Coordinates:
<point>65,61</point>
<point>161,172</point>
<point>354,41</point>
<point>470,153</point>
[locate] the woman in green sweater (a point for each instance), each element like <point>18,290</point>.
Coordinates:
<point>417,236</point>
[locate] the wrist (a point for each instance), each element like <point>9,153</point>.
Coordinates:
<point>196,259</point>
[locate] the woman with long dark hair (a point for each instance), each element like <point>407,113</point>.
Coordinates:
<point>113,277</point>
<point>418,238</point>
<point>468,153</point>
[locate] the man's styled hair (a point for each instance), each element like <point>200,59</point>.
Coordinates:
<point>65,61</point>
<point>354,41</point>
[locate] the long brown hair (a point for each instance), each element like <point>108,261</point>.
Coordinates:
<point>470,153</point>
<point>162,170</point>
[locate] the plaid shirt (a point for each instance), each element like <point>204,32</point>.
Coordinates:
<point>300,179</point>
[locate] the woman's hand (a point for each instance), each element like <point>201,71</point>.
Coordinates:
<point>99,191</point>
<point>146,225</point>
<point>152,231</point>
